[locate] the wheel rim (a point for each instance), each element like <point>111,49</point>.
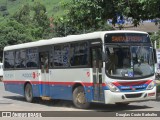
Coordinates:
<point>28,93</point>
<point>81,98</point>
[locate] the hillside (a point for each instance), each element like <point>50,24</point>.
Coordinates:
<point>9,7</point>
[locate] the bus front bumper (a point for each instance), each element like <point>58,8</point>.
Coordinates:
<point>117,97</point>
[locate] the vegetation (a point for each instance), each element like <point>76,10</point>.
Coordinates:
<point>156,37</point>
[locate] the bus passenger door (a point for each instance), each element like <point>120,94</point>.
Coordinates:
<point>96,57</point>
<point>44,57</point>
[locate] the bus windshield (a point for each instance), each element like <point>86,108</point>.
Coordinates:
<point>129,61</point>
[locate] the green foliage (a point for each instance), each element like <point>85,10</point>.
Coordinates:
<point>34,18</point>
<point>40,16</point>
<point>90,15</point>
<point>137,9</point>
<point>109,9</point>
<point>156,37</point>
<point>13,33</point>
<point>23,15</point>
<point>81,17</point>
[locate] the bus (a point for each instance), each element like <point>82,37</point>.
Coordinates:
<point>85,68</point>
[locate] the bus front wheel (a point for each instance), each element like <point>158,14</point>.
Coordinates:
<point>79,98</point>
<point>28,93</point>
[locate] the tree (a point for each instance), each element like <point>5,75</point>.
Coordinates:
<point>139,9</point>
<point>35,19</point>
<point>90,15</point>
<point>109,9</point>
<point>23,15</point>
<point>13,33</point>
<point>81,17</point>
<point>156,37</point>
<point>40,15</point>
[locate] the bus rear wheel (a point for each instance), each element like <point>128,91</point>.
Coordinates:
<point>28,93</point>
<point>79,98</point>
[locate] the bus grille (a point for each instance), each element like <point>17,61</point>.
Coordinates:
<point>133,95</point>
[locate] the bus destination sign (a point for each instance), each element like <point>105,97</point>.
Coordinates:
<point>127,38</point>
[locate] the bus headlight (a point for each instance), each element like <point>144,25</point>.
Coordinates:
<point>151,85</point>
<point>113,88</point>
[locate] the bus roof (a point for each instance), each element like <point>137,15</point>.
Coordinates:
<point>69,38</point>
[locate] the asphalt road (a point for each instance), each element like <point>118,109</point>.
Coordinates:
<point>14,102</point>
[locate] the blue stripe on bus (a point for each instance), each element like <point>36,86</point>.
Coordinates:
<point>61,91</point>
<point>15,88</point>
<point>55,92</point>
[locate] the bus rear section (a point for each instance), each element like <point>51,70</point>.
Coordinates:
<point>83,68</point>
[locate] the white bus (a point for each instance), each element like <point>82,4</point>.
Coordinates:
<point>110,67</point>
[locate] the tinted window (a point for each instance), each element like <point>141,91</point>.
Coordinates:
<point>32,58</point>
<point>9,59</point>
<point>79,54</point>
<point>60,55</point>
<point>20,58</point>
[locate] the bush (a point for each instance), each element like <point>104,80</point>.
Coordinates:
<point>5,13</point>
<point>3,8</point>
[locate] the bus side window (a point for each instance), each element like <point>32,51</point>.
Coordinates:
<point>96,57</point>
<point>9,59</point>
<point>79,54</point>
<point>32,58</point>
<point>44,62</point>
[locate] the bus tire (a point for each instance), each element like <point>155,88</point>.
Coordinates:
<point>79,99</point>
<point>28,93</point>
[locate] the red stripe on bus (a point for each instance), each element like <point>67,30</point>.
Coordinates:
<point>14,82</point>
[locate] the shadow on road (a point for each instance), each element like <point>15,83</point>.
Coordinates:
<point>69,104</point>
<point>19,98</point>
<point>158,98</point>
<point>115,108</point>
